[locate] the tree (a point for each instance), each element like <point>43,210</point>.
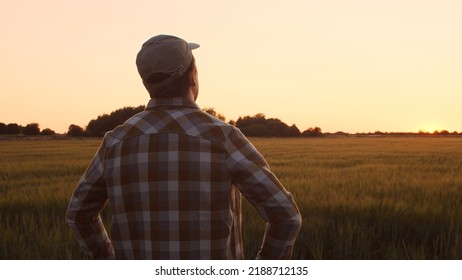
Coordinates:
<point>312,132</point>
<point>2,128</point>
<point>13,129</point>
<point>253,126</point>
<point>211,111</point>
<point>75,131</point>
<point>256,130</point>
<point>259,126</point>
<point>278,128</point>
<point>48,131</point>
<point>103,123</point>
<point>31,129</point>
<point>294,131</point>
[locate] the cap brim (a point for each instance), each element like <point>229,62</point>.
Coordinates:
<point>193,46</point>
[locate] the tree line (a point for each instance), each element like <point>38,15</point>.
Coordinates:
<point>260,126</point>
<point>30,129</point>
<point>251,126</point>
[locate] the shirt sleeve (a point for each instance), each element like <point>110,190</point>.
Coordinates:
<point>85,205</point>
<point>251,174</point>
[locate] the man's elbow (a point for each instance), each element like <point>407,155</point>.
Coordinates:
<point>296,222</point>
<point>291,226</point>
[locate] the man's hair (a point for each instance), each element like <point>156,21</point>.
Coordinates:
<point>176,88</point>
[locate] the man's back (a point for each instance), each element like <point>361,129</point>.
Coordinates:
<point>171,175</point>
<point>168,182</point>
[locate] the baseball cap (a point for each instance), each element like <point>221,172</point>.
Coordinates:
<point>165,54</point>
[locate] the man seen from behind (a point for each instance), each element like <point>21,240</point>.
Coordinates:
<point>173,176</point>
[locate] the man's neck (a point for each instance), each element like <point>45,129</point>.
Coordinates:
<point>191,96</point>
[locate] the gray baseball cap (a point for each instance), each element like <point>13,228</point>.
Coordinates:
<point>164,54</point>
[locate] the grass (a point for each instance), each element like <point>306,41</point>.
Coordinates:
<point>36,181</point>
<point>361,198</point>
<point>383,198</point>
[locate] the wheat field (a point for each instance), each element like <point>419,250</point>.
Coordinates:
<point>360,198</point>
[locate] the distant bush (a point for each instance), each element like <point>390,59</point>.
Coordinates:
<point>47,131</point>
<point>75,131</point>
<point>313,132</point>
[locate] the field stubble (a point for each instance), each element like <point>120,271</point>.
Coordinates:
<point>361,198</point>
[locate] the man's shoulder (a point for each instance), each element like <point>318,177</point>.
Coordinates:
<point>130,128</point>
<point>210,127</point>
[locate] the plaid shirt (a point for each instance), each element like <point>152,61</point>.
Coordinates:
<point>173,176</point>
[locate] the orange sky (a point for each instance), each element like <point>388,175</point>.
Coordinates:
<point>353,66</point>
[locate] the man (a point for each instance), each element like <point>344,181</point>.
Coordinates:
<point>173,176</point>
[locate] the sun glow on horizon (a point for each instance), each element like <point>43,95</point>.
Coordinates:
<point>431,127</point>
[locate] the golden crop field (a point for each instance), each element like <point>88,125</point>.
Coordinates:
<point>361,198</point>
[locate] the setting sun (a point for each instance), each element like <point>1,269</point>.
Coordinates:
<point>431,127</point>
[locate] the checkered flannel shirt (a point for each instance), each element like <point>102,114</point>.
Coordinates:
<point>173,176</point>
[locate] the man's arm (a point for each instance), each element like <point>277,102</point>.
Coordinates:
<point>274,203</point>
<point>85,205</point>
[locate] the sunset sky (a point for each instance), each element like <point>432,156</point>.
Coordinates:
<point>353,66</point>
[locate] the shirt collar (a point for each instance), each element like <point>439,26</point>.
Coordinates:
<point>171,102</point>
